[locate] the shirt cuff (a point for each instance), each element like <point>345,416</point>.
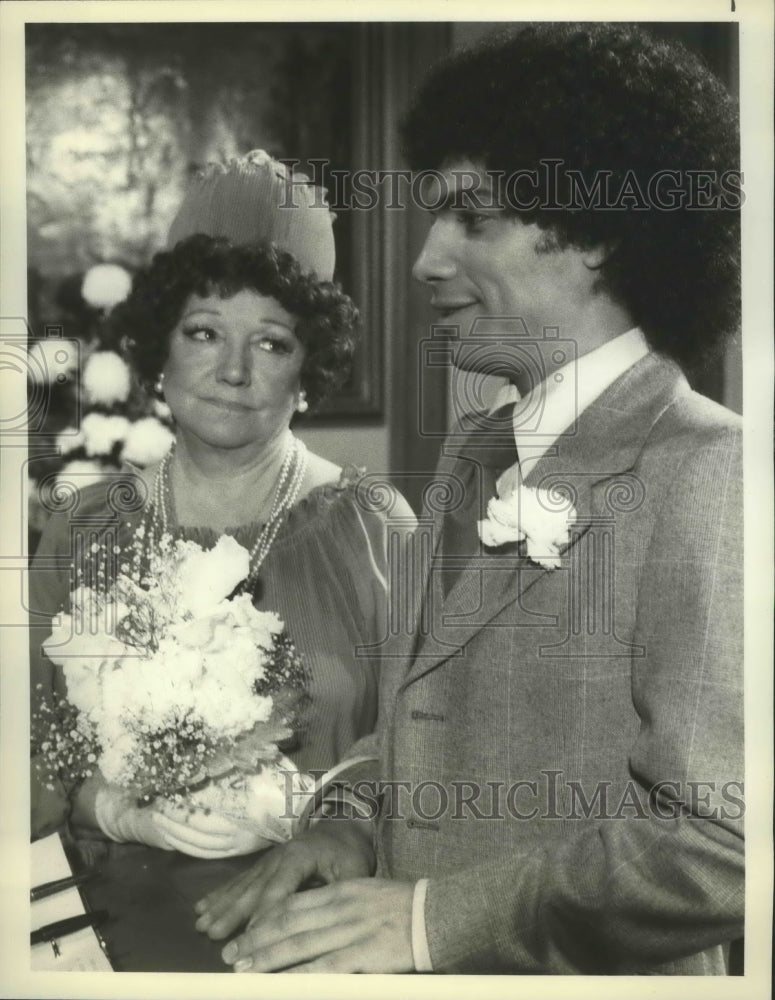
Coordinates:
<point>420,952</point>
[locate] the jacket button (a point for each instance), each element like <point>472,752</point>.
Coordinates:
<point>420,824</point>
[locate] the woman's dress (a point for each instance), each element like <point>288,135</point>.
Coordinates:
<point>326,575</point>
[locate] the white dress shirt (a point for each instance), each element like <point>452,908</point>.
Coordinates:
<point>549,410</point>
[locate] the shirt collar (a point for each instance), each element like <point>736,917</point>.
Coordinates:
<point>552,407</point>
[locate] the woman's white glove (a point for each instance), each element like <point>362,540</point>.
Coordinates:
<point>206,834</point>
<point>198,832</point>
<point>219,821</point>
<point>120,818</point>
<point>222,820</point>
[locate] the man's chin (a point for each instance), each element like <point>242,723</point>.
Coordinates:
<point>482,360</point>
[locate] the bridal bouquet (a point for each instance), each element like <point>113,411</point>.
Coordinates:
<point>174,689</point>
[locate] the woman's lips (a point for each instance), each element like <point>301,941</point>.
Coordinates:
<point>229,404</point>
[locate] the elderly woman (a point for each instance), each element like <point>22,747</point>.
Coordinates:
<point>239,327</point>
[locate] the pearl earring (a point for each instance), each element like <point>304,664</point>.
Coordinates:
<point>158,385</point>
<point>302,405</point>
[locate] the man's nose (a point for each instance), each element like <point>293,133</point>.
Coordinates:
<point>436,261</point>
<point>234,364</point>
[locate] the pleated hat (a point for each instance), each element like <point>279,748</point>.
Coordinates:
<point>256,199</point>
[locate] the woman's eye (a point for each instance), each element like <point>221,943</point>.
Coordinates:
<point>274,345</point>
<point>202,334</point>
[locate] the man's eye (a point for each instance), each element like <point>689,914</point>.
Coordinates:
<point>473,222</point>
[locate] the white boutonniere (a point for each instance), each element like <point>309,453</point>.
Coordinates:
<point>521,514</point>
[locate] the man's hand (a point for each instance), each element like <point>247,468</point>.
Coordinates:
<point>334,850</point>
<point>363,925</point>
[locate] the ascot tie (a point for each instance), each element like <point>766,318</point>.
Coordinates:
<point>485,456</point>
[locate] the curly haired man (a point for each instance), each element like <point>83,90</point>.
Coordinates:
<point>561,747</point>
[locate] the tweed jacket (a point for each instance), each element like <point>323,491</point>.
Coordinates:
<point>563,749</point>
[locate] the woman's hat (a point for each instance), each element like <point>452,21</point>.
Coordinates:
<point>256,199</point>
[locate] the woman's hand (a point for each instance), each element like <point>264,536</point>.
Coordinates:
<point>119,817</point>
<point>205,834</point>
<point>197,832</point>
<point>334,850</point>
<point>100,805</point>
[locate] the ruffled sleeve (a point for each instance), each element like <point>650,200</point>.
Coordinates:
<point>361,527</point>
<point>48,587</point>
<point>329,577</point>
<point>89,513</point>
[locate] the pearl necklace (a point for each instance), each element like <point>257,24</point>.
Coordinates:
<point>286,494</point>
<point>157,517</point>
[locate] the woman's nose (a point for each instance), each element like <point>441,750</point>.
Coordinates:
<point>436,261</point>
<point>234,364</point>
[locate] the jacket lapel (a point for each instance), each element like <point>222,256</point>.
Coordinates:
<point>583,467</point>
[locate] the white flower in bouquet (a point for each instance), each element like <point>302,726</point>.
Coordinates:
<point>51,360</point>
<point>105,285</point>
<point>83,679</point>
<point>231,706</point>
<point>264,626</point>
<point>106,378</point>
<point>147,441</point>
<point>120,748</point>
<point>237,614</point>
<point>81,473</point>
<point>211,576</point>
<point>82,648</point>
<point>102,432</point>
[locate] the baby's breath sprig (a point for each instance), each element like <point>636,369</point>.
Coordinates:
<point>285,669</point>
<point>171,760</point>
<point>67,744</point>
<point>286,680</point>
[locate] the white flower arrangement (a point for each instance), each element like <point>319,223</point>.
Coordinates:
<point>147,442</point>
<point>70,439</point>
<point>81,473</point>
<point>105,285</point>
<point>51,360</point>
<point>171,684</point>
<point>531,516</point>
<point>106,378</point>
<point>101,432</point>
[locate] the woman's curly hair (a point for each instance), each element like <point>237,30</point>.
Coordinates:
<point>204,265</point>
<point>605,100</point>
